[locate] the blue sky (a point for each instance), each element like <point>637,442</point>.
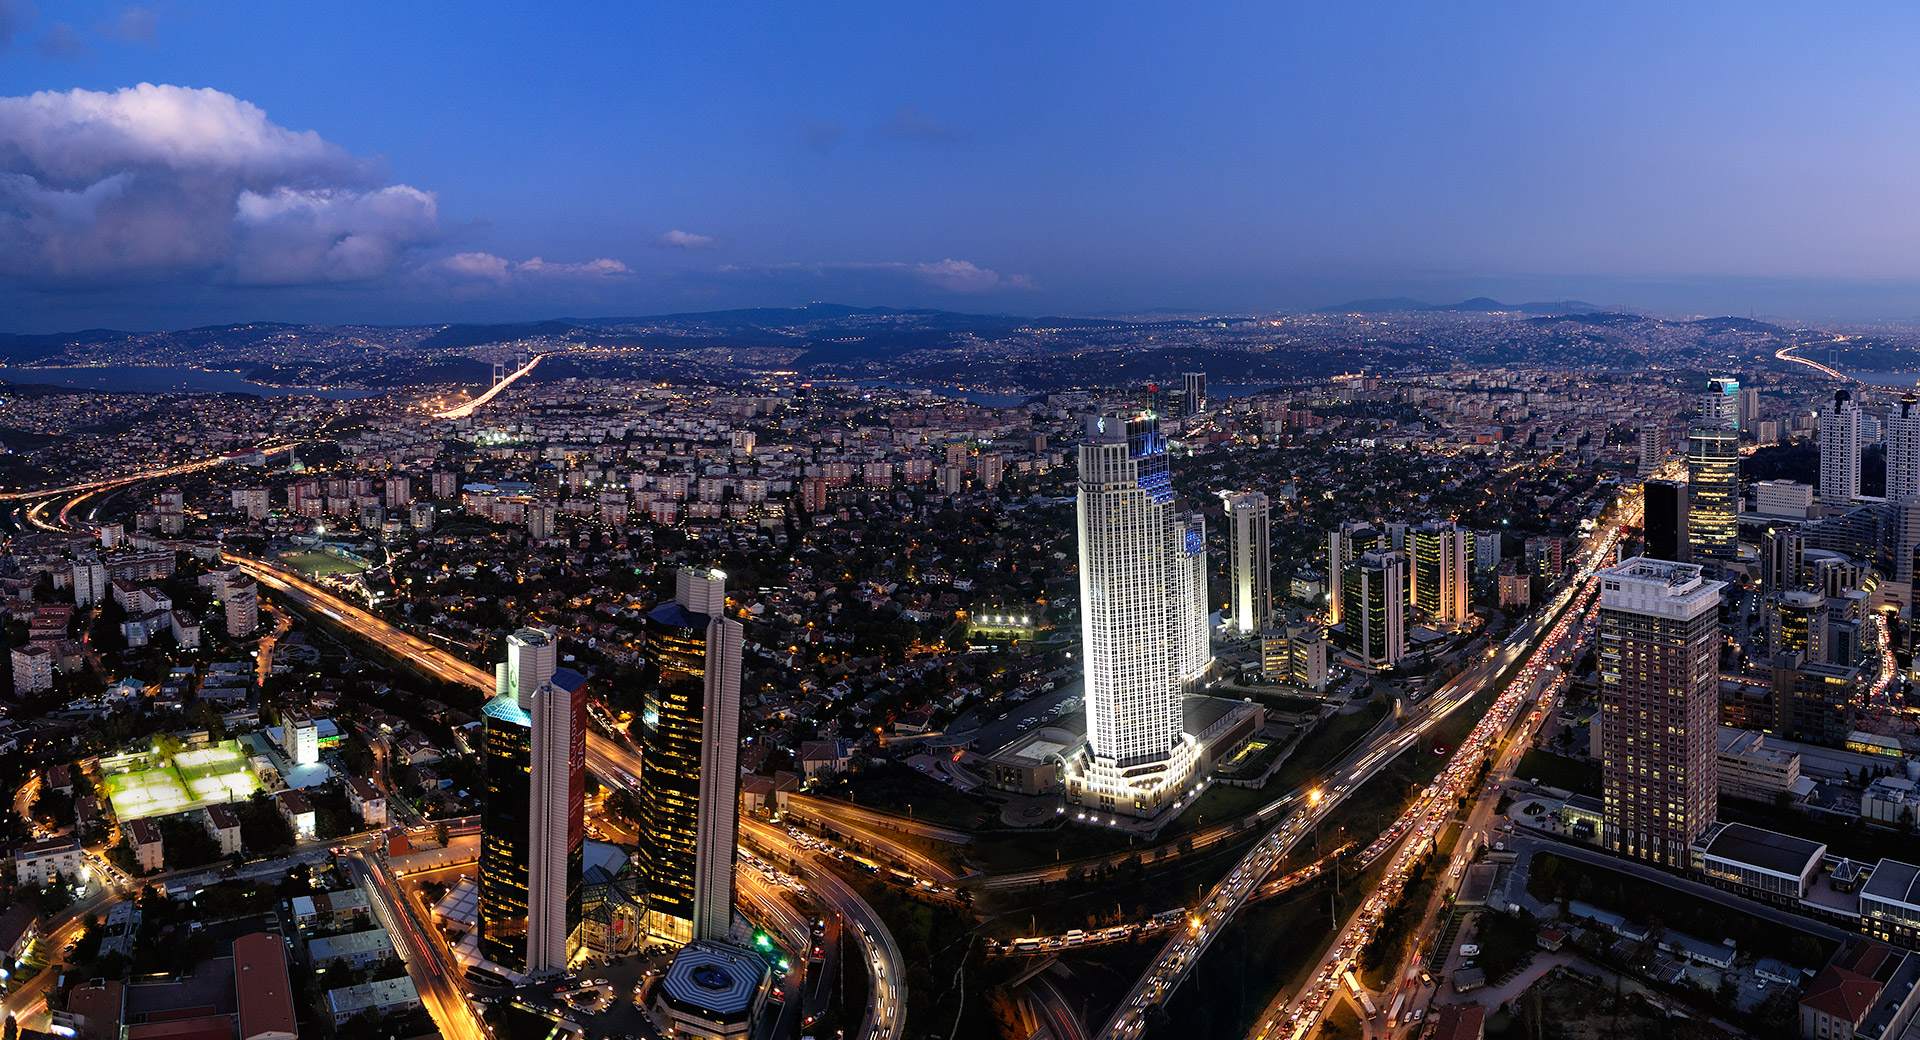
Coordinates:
<point>402,162</point>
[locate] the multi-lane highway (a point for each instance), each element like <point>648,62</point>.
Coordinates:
<point>1171,967</point>
<point>436,975</point>
<point>269,447</point>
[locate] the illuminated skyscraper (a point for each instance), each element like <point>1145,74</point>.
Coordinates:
<point>1659,650</point>
<point>1133,566</point>
<point>534,825</point>
<point>1442,571</point>
<point>1840,451</point>
<point>689,798</point>
<point>1720,405</point>
<point>1373,611</point>
<point>1347,543</point>
<point>1713,493</point>
<point>1250,562</point>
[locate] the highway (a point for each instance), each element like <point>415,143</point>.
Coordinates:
<point>847,812</point>
<point>1171,967</point>
<point>888,848</point>
<point>467,409</point>
<point>886,979</point>
<point>436,975</point>
<point>1537,683</point>
<point>886,1006</point>
<point>265,447</point>
<point>417,651</point>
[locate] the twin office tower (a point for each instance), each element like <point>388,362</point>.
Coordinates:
<point>533,828</point>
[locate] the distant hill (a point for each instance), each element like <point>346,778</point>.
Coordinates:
<point>1477,305</point>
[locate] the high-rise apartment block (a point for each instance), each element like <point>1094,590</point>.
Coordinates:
<point>1659,652</point>
<point>1250,562</point>
<point>1652,445</point>
<point>533,829</point>
<point>689,804</point>
<point>1903,449</point>
<point>1840,436</point>
<point>1134,560</point>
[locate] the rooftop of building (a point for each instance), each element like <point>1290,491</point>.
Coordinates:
<point>1768,850</point>
<point>714,980</point>
<point>1894,882</point>
<point>260,977</point>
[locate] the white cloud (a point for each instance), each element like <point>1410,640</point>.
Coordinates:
<point>678,239</point>
<point>164,182</point>
<point>479,274</point>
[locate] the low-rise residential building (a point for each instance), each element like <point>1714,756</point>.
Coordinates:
<point>368,801</point>
<point>381,998</point>
<point>143,838</point>
<point>1751,769</point>
<point>353,950</point>
<point>298,812</point>
<point>41,862</point>
<point>223,825</point>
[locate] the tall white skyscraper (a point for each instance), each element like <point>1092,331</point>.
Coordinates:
<point>1137,760</point>
<point>1903,449</point>
<point>1653,448</point>
<point>1840,451</point>
<point>1250,562</point>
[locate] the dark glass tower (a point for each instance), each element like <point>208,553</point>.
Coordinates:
<point>1666,521</point>
<point>689,820</point>
<point>505,832</point>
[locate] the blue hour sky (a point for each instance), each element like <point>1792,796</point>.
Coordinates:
<point>193,162</point>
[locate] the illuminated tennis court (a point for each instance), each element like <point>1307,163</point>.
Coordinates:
<point>143,786</point>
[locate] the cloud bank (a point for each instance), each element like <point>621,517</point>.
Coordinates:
<point>160,182</point>
<point>166,184</point>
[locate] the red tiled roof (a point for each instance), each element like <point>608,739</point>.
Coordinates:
<point>266,995</point>
<point>1461,1022</point>
<point>1842,993</point>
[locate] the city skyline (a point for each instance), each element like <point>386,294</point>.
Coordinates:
<point>793,160</point>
